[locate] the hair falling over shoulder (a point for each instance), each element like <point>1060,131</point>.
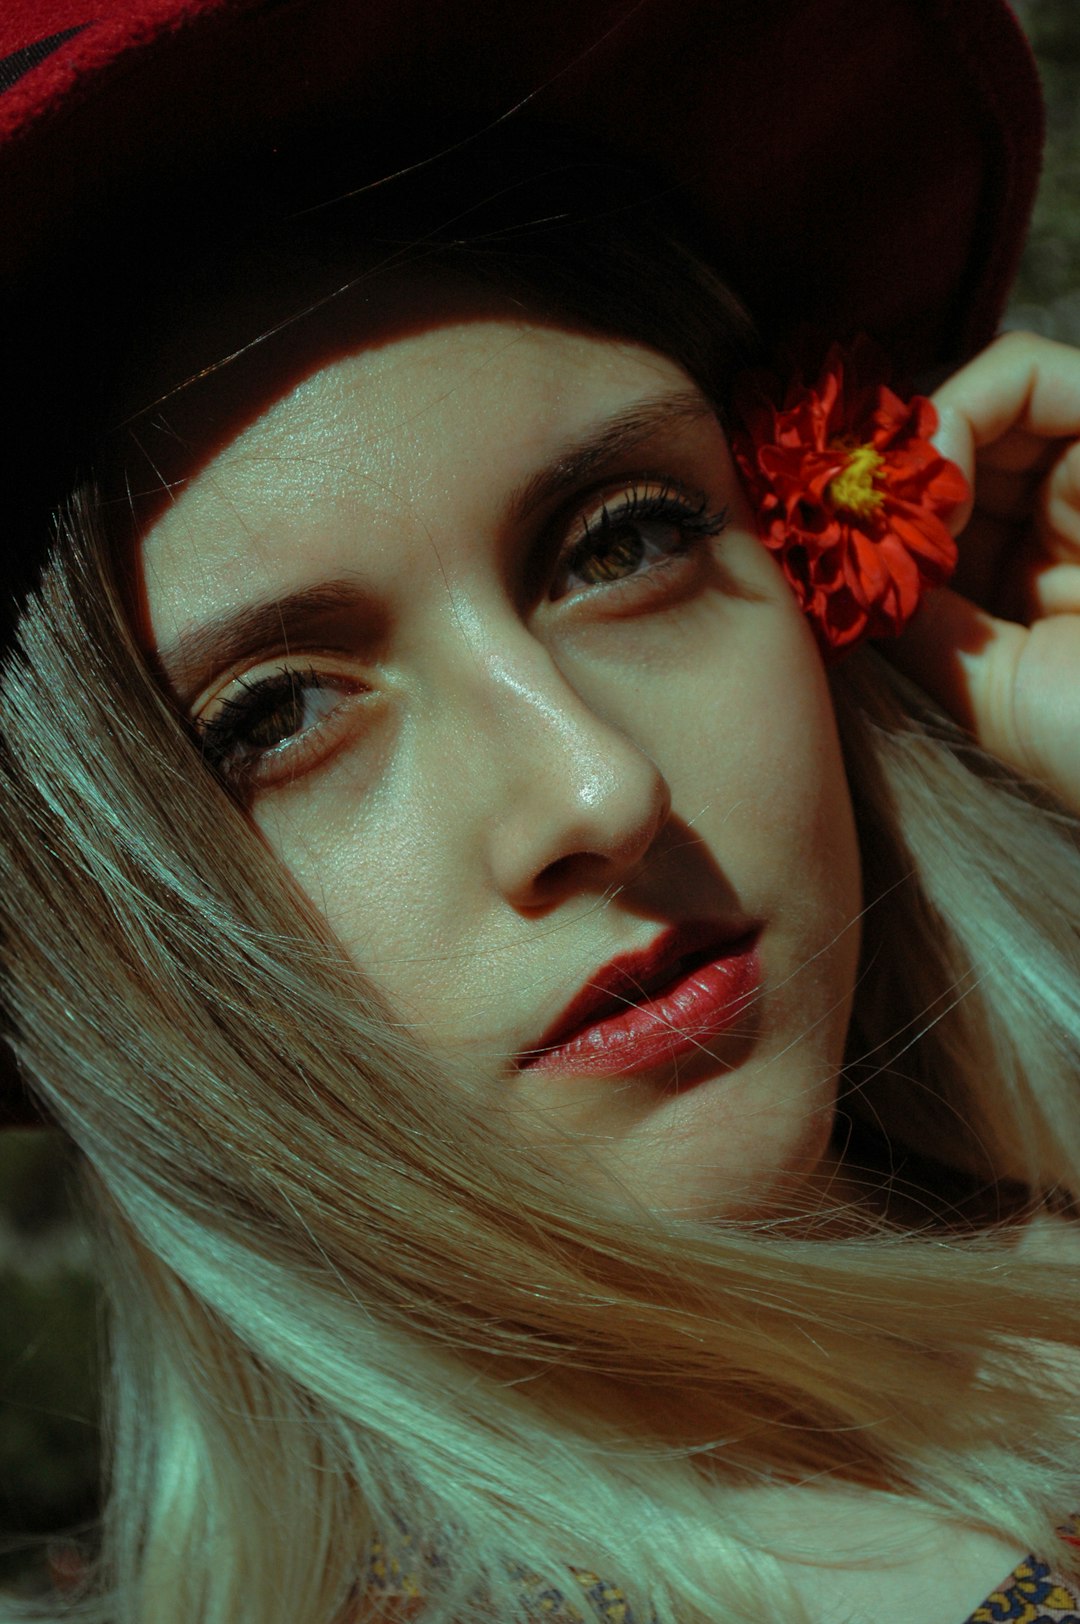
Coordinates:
<point>346,1302</point>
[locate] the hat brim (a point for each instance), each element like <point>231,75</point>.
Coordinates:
<point>858,167</point>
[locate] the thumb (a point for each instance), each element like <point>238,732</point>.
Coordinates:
<point>957,652</point>
<point>1013,688</point>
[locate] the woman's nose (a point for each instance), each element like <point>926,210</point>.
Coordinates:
<point>571,801</point>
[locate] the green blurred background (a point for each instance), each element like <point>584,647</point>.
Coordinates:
<point>1047,293</point>
<point>48,1311</point>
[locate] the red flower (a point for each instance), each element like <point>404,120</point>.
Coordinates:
<point>849,494</point>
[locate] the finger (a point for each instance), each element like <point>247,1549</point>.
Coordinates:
<point>1013,688</point>
<point>1038,572</point>
<point>1003,488</point>
<point>1052,591</point>
<point>1031,586</point>
<point>1046,707</point>
<point>1057,510</point>
<point>1007,419</point>
<point>1017,454</point>
<point>1024,562</point>
<point>1021,382</point>
<point>943,649</point>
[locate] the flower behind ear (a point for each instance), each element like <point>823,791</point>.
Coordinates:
<point>849,493</point>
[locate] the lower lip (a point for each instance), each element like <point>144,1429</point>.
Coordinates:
<point>680,1021</point>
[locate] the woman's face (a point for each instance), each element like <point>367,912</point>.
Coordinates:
<point>473,616</point>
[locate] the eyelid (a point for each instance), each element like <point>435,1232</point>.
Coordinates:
<point>636,501</point>
<point>587,506</point>
<point>570,523</point>
<point>638,487</point>
<point>276,765</point>
<point>297,660</point>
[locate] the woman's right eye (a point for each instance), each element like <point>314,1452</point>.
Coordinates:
<point>274,728</point>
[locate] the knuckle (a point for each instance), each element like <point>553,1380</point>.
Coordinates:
<point>1018,338</point>
<point>1020,341</point>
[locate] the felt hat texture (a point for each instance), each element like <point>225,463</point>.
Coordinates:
<point>864,166</point>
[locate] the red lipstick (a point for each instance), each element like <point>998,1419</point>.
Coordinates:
<point>661,1004</point>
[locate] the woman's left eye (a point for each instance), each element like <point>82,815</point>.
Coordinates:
<point>640,530</point>
<point>272,728</point>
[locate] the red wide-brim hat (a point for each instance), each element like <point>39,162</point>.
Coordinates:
<point>859,167</point>
<point>865,166</point>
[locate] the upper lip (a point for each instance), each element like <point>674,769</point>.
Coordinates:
<point>634,978</point>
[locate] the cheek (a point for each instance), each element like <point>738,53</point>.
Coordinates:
<point>777,813</point>
<point>753,741</point>
<point>375,869</point>
<point>804,806</point>
<point>805,815</point>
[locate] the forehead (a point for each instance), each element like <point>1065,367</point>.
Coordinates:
<point>401,391</point>
<point>427,424</point>
<point>208,362</point>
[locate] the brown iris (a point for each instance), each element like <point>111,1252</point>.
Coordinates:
<point>620,552</point>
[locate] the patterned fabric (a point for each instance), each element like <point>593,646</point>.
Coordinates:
<point>1032,1594</point>
<point>397,1577</point>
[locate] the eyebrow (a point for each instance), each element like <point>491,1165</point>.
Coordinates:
<point>191,660</point>
<point>620,434</point>
<point>189,663</point>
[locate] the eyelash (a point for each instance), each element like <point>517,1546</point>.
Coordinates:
<point>669,505</point>
<point>226,738</point>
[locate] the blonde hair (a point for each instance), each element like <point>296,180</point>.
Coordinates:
<point>348,1298</point>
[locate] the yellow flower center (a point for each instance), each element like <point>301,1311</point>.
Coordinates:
<point>853,488</point>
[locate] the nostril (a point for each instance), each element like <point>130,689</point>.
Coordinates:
<point>565,870</point>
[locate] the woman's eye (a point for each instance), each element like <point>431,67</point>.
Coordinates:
<point>268,729</point>
<point>635,534</point>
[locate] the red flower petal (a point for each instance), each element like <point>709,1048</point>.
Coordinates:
<point>849,492</point>
<point>928,539</point>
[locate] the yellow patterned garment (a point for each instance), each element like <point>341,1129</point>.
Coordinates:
<point>1032,1594</point>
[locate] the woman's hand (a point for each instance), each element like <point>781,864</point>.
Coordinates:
<point>1000,647</point>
